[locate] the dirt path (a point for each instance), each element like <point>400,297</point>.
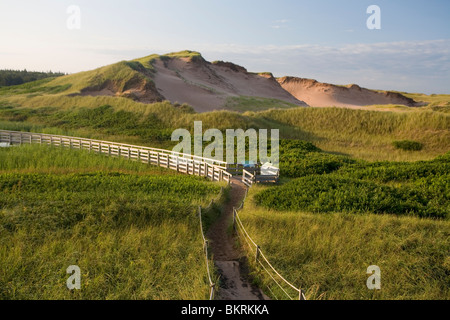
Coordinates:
<point>228,258</point>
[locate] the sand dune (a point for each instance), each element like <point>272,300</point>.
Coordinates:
<point>186,77</point>
<point>207,86</point>
<point>319,94</point>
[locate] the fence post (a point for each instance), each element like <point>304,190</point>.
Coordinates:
<point>234,218</point>
<point>300,295</point>
<point>211,295</point>
<point>258,249</point>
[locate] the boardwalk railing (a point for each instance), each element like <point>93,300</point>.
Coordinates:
<point>261,258</point>
<point>185,163</point>
<point>181,162</point>
<point>248,178</point>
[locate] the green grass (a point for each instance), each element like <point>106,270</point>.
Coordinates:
<point>407,145</point>
<point>328,254</point>
<point>367,134</point>
<point>416,188</point>
<point>433,100</point>
<point>131,228</point>
<point>323,229</point>
<point>244,103</point>
<point>361,134</point>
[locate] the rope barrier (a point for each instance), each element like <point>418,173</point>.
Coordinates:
<point>259,253</point>
<point>212,285</point>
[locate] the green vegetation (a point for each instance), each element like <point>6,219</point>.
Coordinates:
<point>335,223</point>
<point>300,158</point>
<point>367,134</point>
<point>328,254</point>
<point>433,100</point>
<point>352,195</point>
<point>131,228</point>
<point>361,134</point>
<point>408,145</point>
<point>244,103</point>
<point>16,77</point>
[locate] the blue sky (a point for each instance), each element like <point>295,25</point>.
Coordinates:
<point>322,39</point>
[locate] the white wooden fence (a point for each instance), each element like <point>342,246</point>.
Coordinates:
<point>249,178</point>
<point>184,163</point>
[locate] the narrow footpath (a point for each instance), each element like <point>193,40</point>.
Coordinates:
<point>228,258</point>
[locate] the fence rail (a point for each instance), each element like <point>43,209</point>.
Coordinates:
<point>248,178</point>
<point>189,164</point>
<point>181,162</point>
<point>260,257</point>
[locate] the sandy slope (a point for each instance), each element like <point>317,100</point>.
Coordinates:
<point>207,86</point>
<point>319,94</point>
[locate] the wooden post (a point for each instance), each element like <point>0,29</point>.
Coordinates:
<point>258,249</point>
<point>300,295</point>
<point>213,288</point>
<point>234,218</point>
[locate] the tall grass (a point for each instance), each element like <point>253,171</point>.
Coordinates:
<point>361,134</point>
<point>131,228</point>
<point>368,134</point>
<point>328,254</point>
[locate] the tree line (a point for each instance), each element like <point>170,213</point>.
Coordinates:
<point>15,77</point>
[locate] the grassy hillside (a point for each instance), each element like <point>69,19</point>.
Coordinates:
<point>323,230</point>
<point>433,100</point>
<point>361,134</point>
<point>131,228</point>
<point>367,134</point>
